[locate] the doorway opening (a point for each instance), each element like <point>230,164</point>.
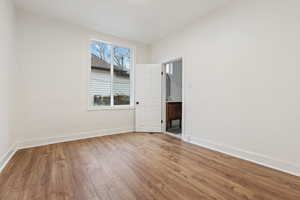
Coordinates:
<point>172,97</point>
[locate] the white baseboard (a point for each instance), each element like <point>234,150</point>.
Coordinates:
<point>44,141</point>
<point>71,137</point>
<point>7,156</point>
<point>247,155</point>
<point>173,135</point>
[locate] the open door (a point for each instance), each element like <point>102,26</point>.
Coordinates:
<point>148,98</point>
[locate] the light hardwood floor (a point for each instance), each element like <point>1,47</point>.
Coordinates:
<point>139,166</point>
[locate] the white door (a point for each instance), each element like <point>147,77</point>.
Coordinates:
<point>148,98</point>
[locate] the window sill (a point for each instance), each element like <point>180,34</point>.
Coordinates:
<point>99,108</point>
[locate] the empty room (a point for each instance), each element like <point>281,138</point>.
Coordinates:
<point>149,99</point>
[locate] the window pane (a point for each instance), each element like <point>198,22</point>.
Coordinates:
<point>100,77</point>
<point>121,79</point>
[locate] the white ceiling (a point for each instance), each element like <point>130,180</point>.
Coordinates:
<point>140,20</point>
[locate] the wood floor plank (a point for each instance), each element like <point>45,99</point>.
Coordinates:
<point>139,166</point>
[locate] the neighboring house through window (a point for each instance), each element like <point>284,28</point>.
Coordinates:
<point>110,77</point>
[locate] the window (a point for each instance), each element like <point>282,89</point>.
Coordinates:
<point>110,77</point>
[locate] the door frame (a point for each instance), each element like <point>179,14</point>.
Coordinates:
<point>163,98</point>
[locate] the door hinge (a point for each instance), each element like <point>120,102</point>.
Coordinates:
<point>162,121</point>
<point>162,73</point>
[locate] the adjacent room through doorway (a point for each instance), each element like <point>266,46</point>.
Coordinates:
<point>172,97</point>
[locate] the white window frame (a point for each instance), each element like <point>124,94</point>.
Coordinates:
<point>132,78</point>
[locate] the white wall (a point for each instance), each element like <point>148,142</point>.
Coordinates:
<point>54,59</point>
<point>7,69</point>
<point>242,86</point>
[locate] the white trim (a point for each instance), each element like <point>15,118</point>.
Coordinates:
<point>173,135</point>
<point>121,107</point>
<point>76,136</point>
<point>183,98</point>
<point>112,103</point>
<point>7,156</point>
<point>260,159</point>
<point>163,99</point>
